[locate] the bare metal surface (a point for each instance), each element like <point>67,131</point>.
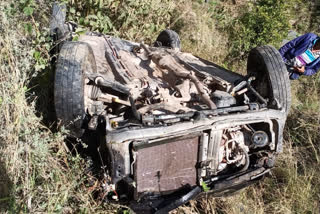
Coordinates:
<point>219,122</point>
<point>181,83</point>
<point>119,160</point>
<point>234,148</point>
<point>112,99</point>
<point>166,61</point>
<point>98,46</point>
<point>214,154</point>
<point>211,68</point>
<point>224,79</point>
<point>237,180</point>
<point>203,153</point>
<point>166,167</point>
<point>155,134</point>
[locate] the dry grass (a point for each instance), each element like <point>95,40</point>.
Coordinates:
<point>37,174</point>
<point>199,33</point>
<point>203,30</point>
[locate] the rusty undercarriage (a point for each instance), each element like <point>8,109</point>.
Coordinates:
<point>175,126</point>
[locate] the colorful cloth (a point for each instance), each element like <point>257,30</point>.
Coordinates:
<point>306,58</point>
<point>297,47</point>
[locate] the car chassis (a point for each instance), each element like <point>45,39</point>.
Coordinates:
<point>175,126</point>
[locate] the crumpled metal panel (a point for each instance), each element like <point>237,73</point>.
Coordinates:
<point>166,167</point>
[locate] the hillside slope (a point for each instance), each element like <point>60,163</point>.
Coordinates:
<point>39,173</point>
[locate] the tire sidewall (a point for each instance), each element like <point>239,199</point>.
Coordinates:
<point>272,80</point>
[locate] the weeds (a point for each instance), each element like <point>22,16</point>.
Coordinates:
<point>37,174</point>
<point>264,22</point>
<point>133,20</point>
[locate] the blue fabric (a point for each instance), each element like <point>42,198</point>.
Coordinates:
<point>295,48</point>
<point>311,57</point>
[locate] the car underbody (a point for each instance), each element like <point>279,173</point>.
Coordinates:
<point>175,126</point>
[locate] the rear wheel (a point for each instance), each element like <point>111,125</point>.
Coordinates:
<point>271,77</point>
<point>75,58</point>
<point>58,28</point>
<point>168,38</point>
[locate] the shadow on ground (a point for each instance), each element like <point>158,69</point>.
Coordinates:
<point>5,188</point>
<point>42,93</point>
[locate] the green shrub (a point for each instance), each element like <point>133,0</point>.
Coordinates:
<point>263,22</point>
<point>130,19</point>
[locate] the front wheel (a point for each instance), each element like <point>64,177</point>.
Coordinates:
<point>75,58</point>
<point>271,77</point>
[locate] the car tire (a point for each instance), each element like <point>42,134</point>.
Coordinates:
<point>57,21</point>
<point>271,77</point>
<point>74,59</point>
<point>168,38</point>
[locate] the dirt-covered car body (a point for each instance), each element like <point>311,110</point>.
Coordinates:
<point>175,126</point>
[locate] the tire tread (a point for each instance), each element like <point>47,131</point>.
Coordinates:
<point>278,77</point>
<point>69,85</point>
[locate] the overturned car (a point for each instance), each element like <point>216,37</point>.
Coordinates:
<point>175,126</point>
